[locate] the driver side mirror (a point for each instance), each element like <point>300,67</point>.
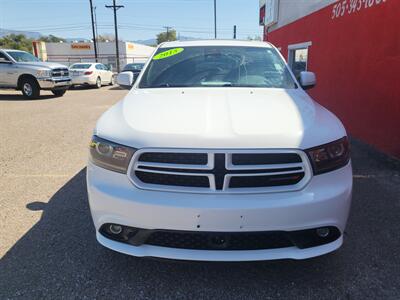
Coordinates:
<point>126,79</point>
<point>307,80</point>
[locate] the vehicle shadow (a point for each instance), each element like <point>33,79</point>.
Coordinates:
<point>20,97</point>
<point>117,87</point>
<point>60,258</point>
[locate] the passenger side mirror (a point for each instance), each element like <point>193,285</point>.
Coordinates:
<point>307,80</point>
<point>125,79</point>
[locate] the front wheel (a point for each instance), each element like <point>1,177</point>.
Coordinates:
<point>30,88</point>
<point>98,83</point>
<point>112,81</point>
<point>58,93</point>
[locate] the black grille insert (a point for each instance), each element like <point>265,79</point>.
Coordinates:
<point>265,180</point>
<point>265,158</point>
<point>174,158</point>
<point>174,180</point>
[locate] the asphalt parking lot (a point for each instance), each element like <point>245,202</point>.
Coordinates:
<point>47,240</point>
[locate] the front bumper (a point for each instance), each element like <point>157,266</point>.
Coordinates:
<point>54,83</point>
<point>325,201</point>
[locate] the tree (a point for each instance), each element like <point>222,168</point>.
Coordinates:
<point>254,38</point>
<point>16,41</point>
<point>51,39</point>
<point>106,38</point>
<point>165,37</point>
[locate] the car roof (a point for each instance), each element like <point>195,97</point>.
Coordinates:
<point>238,43</point>
<point>12,50</point>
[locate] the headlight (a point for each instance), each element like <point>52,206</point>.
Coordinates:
<point>43,73</point>
<point>329,157</point>
<point>109,155</point>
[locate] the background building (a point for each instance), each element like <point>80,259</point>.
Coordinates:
<point>354,48</point>
<point>69,53</point>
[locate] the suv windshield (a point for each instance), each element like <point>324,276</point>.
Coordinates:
<point>21,56</point>
<point>80,66</point>
<point>216,66</point>
<point>133,67</point>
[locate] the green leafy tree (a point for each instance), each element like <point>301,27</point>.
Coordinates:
<point>51,39</point>
<point>165,37</point>
<point>254,38</point>
<point>16,41</point>
<point>106,38</point>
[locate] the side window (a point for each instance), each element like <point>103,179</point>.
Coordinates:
<point>298,58</point>
<point>99,67</point>
<point>3,57</point>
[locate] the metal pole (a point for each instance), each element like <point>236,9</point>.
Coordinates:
<point>215,19</point>
<point>96,32</point>
<point>167,28</point>
<point>116,7</point>
<point>234,32</point>
<point>116,35</point>
<point>93,30</point>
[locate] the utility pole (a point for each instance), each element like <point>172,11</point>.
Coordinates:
<point>234,32</point>
<point>115,8</point>
<point>167,28</point>
<point>93,30</point>
<point>215,19</point>
<point>96,31</point>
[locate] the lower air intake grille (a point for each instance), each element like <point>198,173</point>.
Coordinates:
<point>215,241</point>
<point>206,240</point>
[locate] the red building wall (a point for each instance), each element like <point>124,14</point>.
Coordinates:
<point>356,57</point>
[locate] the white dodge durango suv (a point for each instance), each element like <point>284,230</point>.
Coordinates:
<point>217,153</point>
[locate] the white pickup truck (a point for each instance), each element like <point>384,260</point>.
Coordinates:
<point>22,71</point>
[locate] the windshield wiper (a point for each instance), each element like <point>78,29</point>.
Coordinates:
<point>217,83</point>
<point>168,85</point>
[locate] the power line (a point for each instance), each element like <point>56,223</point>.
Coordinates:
<point>115,8</point>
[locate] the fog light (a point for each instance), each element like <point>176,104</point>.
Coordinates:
<point>323,232</point>
<point>115,229</point>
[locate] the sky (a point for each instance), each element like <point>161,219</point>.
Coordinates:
<point>139,20</point>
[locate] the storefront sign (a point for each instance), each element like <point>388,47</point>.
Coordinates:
<point>77,46</point>
<point>347,7</point>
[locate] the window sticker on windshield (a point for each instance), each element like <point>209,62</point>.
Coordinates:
<point>168,53</point>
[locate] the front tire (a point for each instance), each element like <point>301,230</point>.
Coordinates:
<point>30,88</point>
<point>112,81</point>
<point>58,93</point>
<point>98,83</point>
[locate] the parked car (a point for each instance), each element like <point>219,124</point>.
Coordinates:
<point>218,153</point>
<point>22,71</point>
<point>91,74</point>
<point>133,69</point>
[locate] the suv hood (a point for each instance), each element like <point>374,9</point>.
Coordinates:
<point>219,118</point>
<point>43,64</point>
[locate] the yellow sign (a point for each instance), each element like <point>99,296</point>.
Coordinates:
<point>168,53</point>
<point>131,46</point>
<point>80,46</point>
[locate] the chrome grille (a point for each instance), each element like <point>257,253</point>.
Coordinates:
<point>60,72</point>
<point>220,171</point>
